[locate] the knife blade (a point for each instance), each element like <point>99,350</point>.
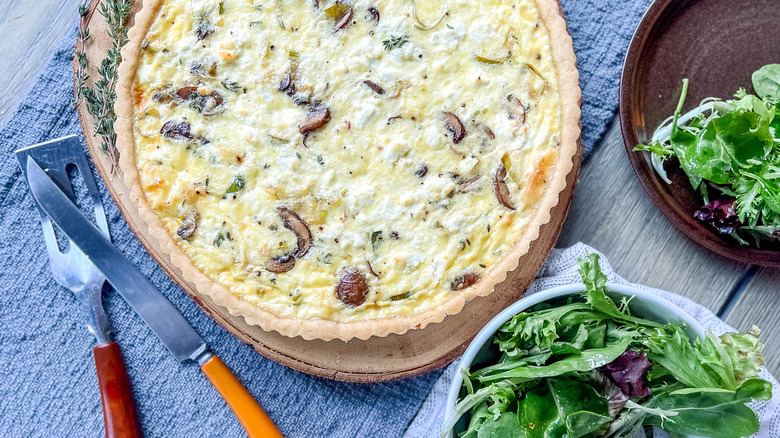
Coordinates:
<point>159,314</point>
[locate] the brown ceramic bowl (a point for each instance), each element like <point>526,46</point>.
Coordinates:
<point>717,44</point>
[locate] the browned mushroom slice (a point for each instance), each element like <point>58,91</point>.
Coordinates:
<point>316,119</point>
<point>454,125</point>
<point>344,21</point>
<point>186,92</point>
<point>287,83</point>
<point>281,264</point>
<point>374,14</point>
<point>189,225</point>
<point>294,223</point>
<point>464,281</point>
<point>516,110</point>
<point>372,85</point>
<point>502,191</point>
<point>174,131</point>
<point>352,288</point>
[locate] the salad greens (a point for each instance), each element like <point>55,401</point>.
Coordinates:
<point>587,367</point>
<point>730,151</point>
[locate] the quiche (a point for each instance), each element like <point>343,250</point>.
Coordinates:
<point>347,168</point>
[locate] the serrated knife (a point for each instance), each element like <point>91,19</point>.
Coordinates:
<point>159,314</point>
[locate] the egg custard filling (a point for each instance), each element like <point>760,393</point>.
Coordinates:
<point>345,160</point>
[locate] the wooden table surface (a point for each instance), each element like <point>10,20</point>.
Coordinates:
<point>610,210</point>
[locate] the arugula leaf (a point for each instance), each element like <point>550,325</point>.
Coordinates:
<point>596,287</point>
<point>584,361</point>
<point>766,82</point>
<point>710,412</point>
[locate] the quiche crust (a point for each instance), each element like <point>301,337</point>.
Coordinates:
<point>551,169</point>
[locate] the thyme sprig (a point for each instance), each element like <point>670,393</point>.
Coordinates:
<point>100,98</point>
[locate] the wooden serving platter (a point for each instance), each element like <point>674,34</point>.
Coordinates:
<point>374,360</point>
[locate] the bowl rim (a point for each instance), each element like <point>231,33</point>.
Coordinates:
<point>490,329</point>
<point>684,222</point>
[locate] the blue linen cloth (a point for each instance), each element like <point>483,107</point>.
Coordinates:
<point>49,386</point>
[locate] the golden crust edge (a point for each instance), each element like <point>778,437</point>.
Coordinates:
<point>570,95</point>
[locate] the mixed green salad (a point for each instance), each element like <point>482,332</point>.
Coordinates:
<point>587,367</point>
<point>730,151</point>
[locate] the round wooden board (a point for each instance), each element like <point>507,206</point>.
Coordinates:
<point>374,360</point>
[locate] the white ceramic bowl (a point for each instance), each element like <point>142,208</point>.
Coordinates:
<point>644,304</point>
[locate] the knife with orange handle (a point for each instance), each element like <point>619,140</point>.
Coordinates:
<point>157,312</point>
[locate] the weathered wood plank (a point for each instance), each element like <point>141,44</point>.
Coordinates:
<point>758,305</point>
<point>612,213</point>
<point>30,29</point>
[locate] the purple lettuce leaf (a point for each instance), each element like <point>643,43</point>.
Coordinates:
<point>629,372</point>
<point>720,215</point>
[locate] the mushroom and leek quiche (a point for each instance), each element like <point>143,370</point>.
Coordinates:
<point>339,169</point>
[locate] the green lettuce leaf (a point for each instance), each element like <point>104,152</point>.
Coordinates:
<point>745,352</point>
<point>716,413</point>
<point>766,82</point>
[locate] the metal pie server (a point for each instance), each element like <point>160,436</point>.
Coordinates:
<point>73,270</point>
<point>158,313</point>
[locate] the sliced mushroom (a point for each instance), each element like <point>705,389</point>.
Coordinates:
<point>287,83</point>
<point>372,85</point>
<point>502,191</point>
<point>186,92</point>
<point>344,21</point>
<point>374,13</point>
<point>316,119</point>
<point>176,131</point>
<point>454,125</point>
<point>294,223</point>
<point>352,288</point>
<point>516,110</point>
<point>463,281</point>
<point>281,264</point>
<point>189,225</point>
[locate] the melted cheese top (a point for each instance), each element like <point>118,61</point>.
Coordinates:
<point>426,107</point>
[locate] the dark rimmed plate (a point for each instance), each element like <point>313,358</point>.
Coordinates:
<point>717,44</point>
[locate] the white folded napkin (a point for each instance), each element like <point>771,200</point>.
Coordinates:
<point>561,269</point>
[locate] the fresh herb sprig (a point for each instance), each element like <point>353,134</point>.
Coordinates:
<point>395,42</point>
<point>729,150</point>
<point>587,367</point>
<point>100,98</point>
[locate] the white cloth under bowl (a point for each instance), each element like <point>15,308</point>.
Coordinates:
<point>561,269</point>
